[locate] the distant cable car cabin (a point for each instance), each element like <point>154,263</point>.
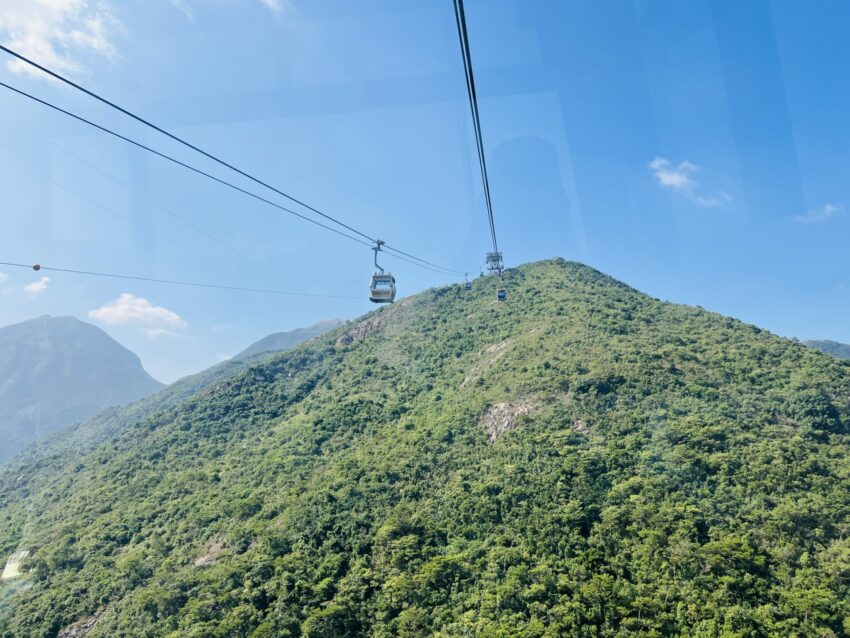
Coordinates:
<point>382,287</point>
<point>467,285</point>
<point>501,294</point>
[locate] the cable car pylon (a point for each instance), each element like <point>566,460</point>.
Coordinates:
<point>495,265</point>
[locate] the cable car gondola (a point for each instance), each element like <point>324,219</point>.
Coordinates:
<point>467,285</point>
<point>501,294</point>
<point>382,287</point>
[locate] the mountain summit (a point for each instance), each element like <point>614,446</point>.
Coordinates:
<point>580,460</point>
<point>55,371</point>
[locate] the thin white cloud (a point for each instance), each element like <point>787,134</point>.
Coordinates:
<point>280,7</point>
<point>8,290</point>
<point>275,6</point>
<point>129,310</point>
<point>710,201</point>
<point>675,177</point>
<point>680,178</point>
<point>37,287</point>
<point>56,33</point>
<point>823,214</point>
<point>184,7</point>
<point>154,333</point>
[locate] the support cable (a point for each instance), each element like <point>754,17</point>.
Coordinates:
<point>197,149</point>
<point>173,282</point>
<point>463,36</point>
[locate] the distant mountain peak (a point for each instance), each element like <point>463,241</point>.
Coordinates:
<point>55,371</point>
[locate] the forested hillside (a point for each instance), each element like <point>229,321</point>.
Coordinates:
<point>39,463</point>
<point>581,460</point>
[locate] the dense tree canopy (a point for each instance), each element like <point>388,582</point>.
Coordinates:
<point>580,460</point>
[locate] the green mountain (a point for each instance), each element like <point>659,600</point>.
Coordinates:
<point>834,348</point>
<point>279,341</point>
<point>55,371</point>
<point>580,460</point>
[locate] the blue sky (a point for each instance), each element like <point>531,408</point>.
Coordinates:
<point>694,150</point>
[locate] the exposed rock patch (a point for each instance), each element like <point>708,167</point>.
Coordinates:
<point>498,347</point>
<point>210,556</point>
<point>13,565</point>
<point>82,627</point>
<point>580,426</point>
<point>362,330</point>
<point>502,417</point>
<point>496,350</point>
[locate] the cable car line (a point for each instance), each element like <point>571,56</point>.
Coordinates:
<point>180,163</point>
<point>117,215</point>
<point>460,19</point>
<point>173,282</point>
<point>156,204</point>
<point>178,139</point>
<point>436,268</point>
<point>494,259</point>
<point>423,263</point>
<point>372,241</point>
<point>400,258</point>
<point>447,271</point>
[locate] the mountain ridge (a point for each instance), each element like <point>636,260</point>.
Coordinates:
<point>834,348</point>
<point>278,341</point>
